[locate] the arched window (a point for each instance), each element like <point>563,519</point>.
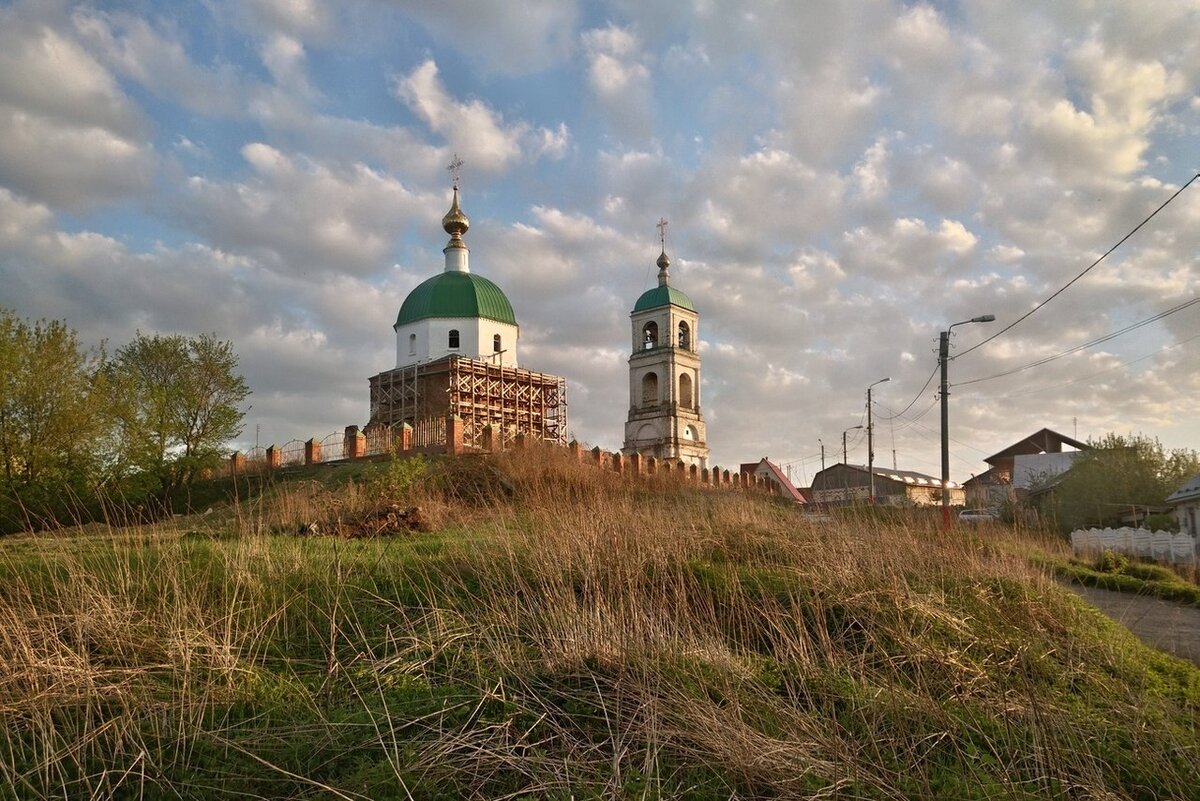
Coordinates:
<point>689,433</point>
<point>496,344</point>
<point>685,336</point>
<point>412,344</point>
<point>685,390</point>
<point>650,335</point>
<point>650,389</point>
<point>453,339</point>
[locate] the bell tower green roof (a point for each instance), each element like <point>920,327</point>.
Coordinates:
<point>456,294</point>
<point>663,296</point>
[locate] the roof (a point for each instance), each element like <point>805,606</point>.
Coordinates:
<point>903,476</point>
<point>456,294</point>
<point>663,296</point>
<point>1188,492</point>
<point>1044,441</point>
<point>777,475</point>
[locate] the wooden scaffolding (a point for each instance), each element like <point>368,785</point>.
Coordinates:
<point>511,400</point>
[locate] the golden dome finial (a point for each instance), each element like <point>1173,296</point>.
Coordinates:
<point>455,222</point>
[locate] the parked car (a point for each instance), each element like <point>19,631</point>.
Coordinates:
<point>978,516</point>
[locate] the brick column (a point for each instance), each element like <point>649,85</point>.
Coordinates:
<point>635,464</point>
<point>454,434</point>
<point>618,463</point>
<point>406,432</point>
<point>705,477</point>
<point>312,452</point>
<point>667,467</point>
<point>274,457</point>
<point>520,441</point>
<point>237,463</point>
<point>726,478</point>
<point>487,439</point>
<point>355,444</point>
<point>598,456</point>
<point>693,472</point>
<point>651,466</point>
<point>575,450</point>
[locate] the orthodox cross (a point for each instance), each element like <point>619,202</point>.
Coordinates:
<point>454,166</point>
<point>662,232</point>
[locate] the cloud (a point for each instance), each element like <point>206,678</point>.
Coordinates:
<point>620,80</point>
<point>68,134</point>
<point>473,129</point>
<point>299,216</point>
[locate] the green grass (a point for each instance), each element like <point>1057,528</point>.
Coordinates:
<point>562,633</point>
<point>1133,577</point>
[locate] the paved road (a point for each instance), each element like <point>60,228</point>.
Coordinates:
<point>1166,625</point>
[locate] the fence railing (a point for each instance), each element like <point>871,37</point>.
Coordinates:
<point>1161,545</point>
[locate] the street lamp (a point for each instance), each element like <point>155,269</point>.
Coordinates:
<point>871,440</point>
<point>848,430</point>
<point>943,361</point>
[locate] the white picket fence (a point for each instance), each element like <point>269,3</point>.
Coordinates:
<point>1161,545</point>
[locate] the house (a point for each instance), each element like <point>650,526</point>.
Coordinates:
<point>846,483</point>
<point>1186,501</point>
<point>1021,467</point>
<point>770,471</point>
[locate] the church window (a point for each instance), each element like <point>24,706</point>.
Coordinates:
<point>496,344</point>
<point>650,335</point>
<point>649,389</point>
<point>685,336</point>
<point>689,433</point>
<point>454,339</point>
<point>685,390</point>
<point>412,344</point>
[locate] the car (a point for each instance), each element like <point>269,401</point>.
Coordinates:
<point>978,516</point>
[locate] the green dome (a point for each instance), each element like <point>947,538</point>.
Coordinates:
<point>456,294</point>
<point>663,296</point>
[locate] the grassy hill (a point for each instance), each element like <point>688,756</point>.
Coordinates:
<point>558,632</point>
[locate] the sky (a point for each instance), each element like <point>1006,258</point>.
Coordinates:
<point>842,181</point>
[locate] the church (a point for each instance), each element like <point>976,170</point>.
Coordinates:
<point>456,354</point>
<point>664,373</point>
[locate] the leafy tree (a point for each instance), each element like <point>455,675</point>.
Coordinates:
<point>180,401</point>
<point>53,421</point>
<point>1118,474</point>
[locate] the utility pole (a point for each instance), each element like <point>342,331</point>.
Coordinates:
<point>822,444</point>
<point>944,363</point>
<point>871,441</point>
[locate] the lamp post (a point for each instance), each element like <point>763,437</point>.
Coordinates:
<point>871,441</point>
<point>844,433</point>
<point>943,362</point>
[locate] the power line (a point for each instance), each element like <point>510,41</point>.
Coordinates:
<point>1090,376</point>
<point>1097,341</point>
<point>1086,270</point>
<point>916,398</point>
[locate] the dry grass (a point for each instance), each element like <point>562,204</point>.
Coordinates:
<point>567,633</point>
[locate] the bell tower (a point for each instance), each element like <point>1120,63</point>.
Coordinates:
<point>664,373</point>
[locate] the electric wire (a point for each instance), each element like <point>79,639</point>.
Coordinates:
<point>1086,270</point>
<point>1090,343</point>
<point>917,397</point>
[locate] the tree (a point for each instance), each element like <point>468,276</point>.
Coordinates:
<point>53,421</point>
<point>1118,474</point>
<point>180,402</point>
